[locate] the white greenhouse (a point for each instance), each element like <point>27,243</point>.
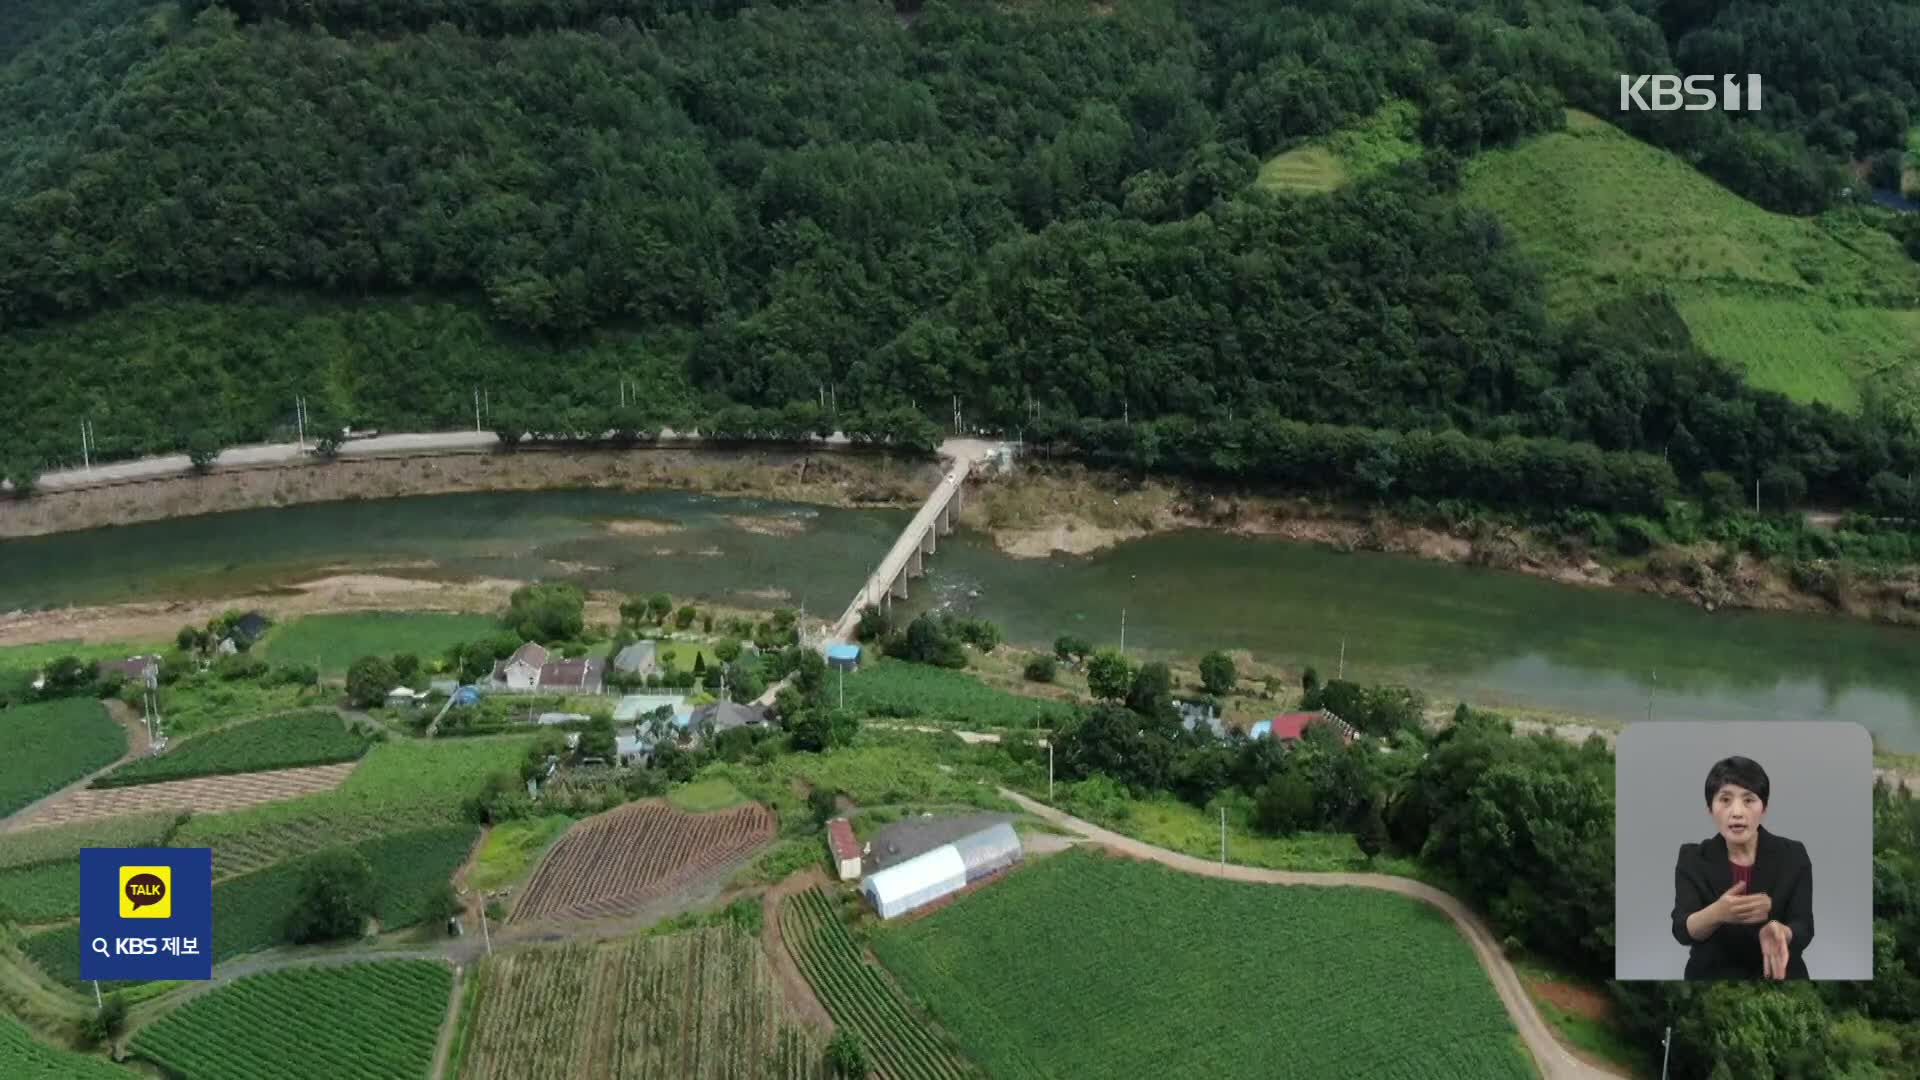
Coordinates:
<point>946,869</point>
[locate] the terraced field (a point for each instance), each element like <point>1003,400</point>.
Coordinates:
<point>293,741</point>
<point>618,860</point>
<point>371,1021</point>
<point>858,996</point>
<point>203,795</point>
<point>701,1005</point>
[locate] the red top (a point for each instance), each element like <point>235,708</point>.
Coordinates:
<point>1742,873</point>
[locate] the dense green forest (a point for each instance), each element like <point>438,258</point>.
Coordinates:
<point>773,219</point>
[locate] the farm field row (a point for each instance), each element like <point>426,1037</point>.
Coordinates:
<point>369,1021</point>
<point>62,843</point>
<point>202,795</point>
<point>278,742</point>
<point>612,862</point>
<point>51,744</point>
<point>1008,970</point>
<point>699,1005</point>
<point>334,641</point>
<point>251,912</point>
<point>21,1055</point>
<point>858,996</point>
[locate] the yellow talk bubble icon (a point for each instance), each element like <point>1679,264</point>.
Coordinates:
<point>146,892</point>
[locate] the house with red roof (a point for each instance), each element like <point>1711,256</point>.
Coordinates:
<point>1290,727</point>
<point>846,848</point>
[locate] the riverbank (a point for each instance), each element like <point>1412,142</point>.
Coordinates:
<point>824,478</point>
<point>1043,510</point>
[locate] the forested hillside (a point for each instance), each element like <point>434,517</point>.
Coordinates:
<point>778,218</point>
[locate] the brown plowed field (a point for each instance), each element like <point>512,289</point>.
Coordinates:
<point>616,861</point>
<point>202,795</point>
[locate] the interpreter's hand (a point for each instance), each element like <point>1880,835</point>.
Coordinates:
<point>1737,907</point>
<point>1774,938</point>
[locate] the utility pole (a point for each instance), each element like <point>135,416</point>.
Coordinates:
<point>97,1003</point>
<point>1223,841</point>
<point>476,410</point>
<point>1049,769</point>
<point>486,396</point>
<point>300,419</point>
<point>1343,659</point>
<point>1650,693</point>
<point>1666,1050</point>
<point>86,460</point>
<point>1123,631</point>
<point>1756,496</point>
<point>843,686</point>
<point>485,934</point>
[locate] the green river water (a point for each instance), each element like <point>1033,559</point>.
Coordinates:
<point>1456,631</point>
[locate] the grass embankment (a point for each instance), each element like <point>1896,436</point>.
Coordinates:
<point>52,744</point>
<point>1818,309</point>
<point>335,641</point>
<point>701,796</point>
<point>1381,141</point>
<point>1007,973</point>
<point>512,848</point>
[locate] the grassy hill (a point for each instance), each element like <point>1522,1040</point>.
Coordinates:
<point>1819,309</point>
<point>1381,141</point>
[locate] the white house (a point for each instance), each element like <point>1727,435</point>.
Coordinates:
<point>521,671</point>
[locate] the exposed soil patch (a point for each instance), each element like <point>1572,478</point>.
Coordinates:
<point>1581,1001</point>
<point>617,861</point>
<point>799,995</point>
<point>202,795</point>
<point>642,527</point>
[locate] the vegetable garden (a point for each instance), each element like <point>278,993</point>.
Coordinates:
<point>23,1055</point>
<point>701,1005</point>
<point>896,688</point>
<point>278,742</point>
<point>612,862</point>
<point>202,795</point>
<point>52,744</point>
<point>858,996</point>
<point>1190,976</point>
<point>365,1020</point>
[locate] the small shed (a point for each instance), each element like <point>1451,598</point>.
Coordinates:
<point>467,695</point>
<point>918,881</point>
<point>403,697</point>
<point>843,657</point>
<point>846,848</point>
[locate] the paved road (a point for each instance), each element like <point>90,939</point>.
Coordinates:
<point>1554,1060</point>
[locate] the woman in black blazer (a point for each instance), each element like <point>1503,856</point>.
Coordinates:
<point>1743,900</point>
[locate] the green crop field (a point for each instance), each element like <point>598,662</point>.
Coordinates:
<point>699,1005</point>
<point>871,772</point>
<point>204,700</point>
<point>896,688</point>
<point>1374,145</point>
<point>334,642</point>
<point>278,742</point>
<point>61,843</point>
<point>52,744</point>
<point>1197,977</point>
<point>415,784</point>
<point>1816,308</point>
<point>858,996</point>
<point>250,912</point>
<point>370,1020</point>
<point>701,796</point>
<point>21,1055</point>
<point>41,893</point>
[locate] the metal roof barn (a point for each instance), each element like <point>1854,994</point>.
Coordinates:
<point>918,881</point>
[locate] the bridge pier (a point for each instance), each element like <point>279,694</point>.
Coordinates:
<point>917,565</point>
<point>944,523</point>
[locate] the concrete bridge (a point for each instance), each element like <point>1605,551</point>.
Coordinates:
<point>919,540</point>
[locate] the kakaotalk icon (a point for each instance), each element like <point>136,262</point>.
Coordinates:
<point>145,892</point>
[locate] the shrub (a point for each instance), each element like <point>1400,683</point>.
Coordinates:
<point>1040,669</point>
<point>336,897</point>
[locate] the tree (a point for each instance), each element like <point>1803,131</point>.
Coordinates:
<point>203,448</point>
<point>1040,669</point>
<point>726,650</point>
<point>1109,675</point>
<point>818,730</point>
<point>874,625</point>
<point>106,1023</point>
<point>552,611</point>
<point>1370,832</point>
<point>598,741</point>
<point>368,680</point>
<point>1070,648</point>
<point>1284,805</point>
<point>190,639</point>
<point>683,618</point>
<point>633,611</point>
<point>927,641</point>
<point>1309,680</point>
<point>66,676</point>
<point>824,803</point>
<point>405,666</point>
<point>846,1055</point>
<point>1151,692</point>
<point>659,605</point>
<point>1217,673</point>
<point>335,897</point>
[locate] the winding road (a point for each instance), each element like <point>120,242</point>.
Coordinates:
<point>1553,1059</point>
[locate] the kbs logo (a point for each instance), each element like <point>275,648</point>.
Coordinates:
<point>146,892</point>
<point>1664,93</point>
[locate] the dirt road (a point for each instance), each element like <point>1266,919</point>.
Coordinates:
<point>1554,1061</point>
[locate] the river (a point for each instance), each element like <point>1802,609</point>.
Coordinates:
<point>1488,637</point>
